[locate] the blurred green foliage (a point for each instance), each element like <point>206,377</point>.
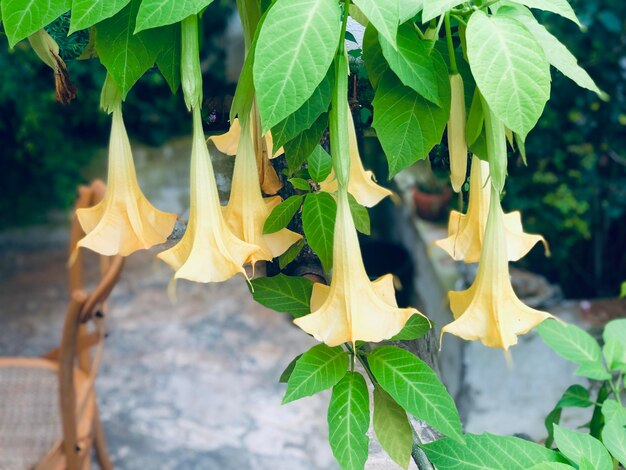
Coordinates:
<point>45,146</point>
<point>573,190</point>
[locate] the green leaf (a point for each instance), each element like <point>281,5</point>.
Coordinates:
<point>488,452</point>
<point>86,13</point>
<point>300,183</point>
<point>615,344</point>
<point>575,396</point>
<point>295,48</point>
<point>415,387</point>
<point>21,18</point>
<point>560,7</point>
<point>291,254</point>
<point>576,345</point>
<point>475,120</point>
<point>375,63</point>
<point>557,54</point>
<point>414,64</point>
<point>415,327</point>
<point>392,428</point>
<point>348,421</point>
<point>612,410</point>
<point>510,69</point>
<point>551,466</point>
<point>286,294</point>
<point>360,215</point>
<point>306,115</point>
<point>622,293</point>
<point>552,418</point>
<point>168,60</point>
<point>282,214</point>
<point>614,439</point>
<point>302,146</point>
<point>319,368</point>
<point>575,446</point>
<point>284,377</point>
<point>383,15</point>
<point>407,9</point>
<point>407,125</point>
<point>153,13</point>
<point>435,8</point>
<point>318,221</point>
<point>320,164</point>
<point>125,55</point>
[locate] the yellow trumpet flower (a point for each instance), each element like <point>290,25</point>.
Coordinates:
<point>489,310</point>
<point>247,210</point>
<point>228,144</point>
<point>361,185</point>
<point>124,221</point>
<point>465,232</point>
<point>457,144</point>
<point>208,251</point>
<point>352,308</point>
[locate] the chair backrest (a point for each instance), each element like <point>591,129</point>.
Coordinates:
<point>77,342</point>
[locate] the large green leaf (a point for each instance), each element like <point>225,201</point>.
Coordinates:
<point>510,68</point>
<point>294,50</point>
<point>415,387</point>
<point>284,377</point>
<point>551,466</point>
<point>306,115</point>
<point>576,345</point>
<point>615,344</point>
<point>407,125</point>
<point>407,9</point>
<point>298,149</point>
<point>155,13</point>
<point>575,446</point>
<point>557,54</point>
<point>560,7</point>
<point>392,428</point>
<point>287,294</point>
<point>614,439</point>
<point>21,18</point>
<point>384,15</point>
<point>375,62</point>
<point>125,55</point>
<point>488,452</point>
<point>318,221</point>
<point>348,421</point>
<point>434,8</point>
<point>86,13</point>
<point>613,410</point>
<point>282,214</point>
<point>413,62</point>
<point>415,327</point>
<point>168,60</point>
<point>319,368</point>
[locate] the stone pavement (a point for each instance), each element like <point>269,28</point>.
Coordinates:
<point>185,386</point>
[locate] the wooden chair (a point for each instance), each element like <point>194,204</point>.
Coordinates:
<point>49,417</point>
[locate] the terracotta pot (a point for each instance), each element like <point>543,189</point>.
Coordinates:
<point>432,206</point>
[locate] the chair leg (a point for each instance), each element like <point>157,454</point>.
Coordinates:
<point>102,454</point>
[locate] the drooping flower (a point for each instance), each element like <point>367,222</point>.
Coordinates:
<point>457,144</point>
<point>489,310</point>
<point>124,221</point>
<point>352,308</point>
<point>208,251</point>
<point>247,210</point>
<point>362,185</point>
<point>228,143</point>
<point>466,231</point>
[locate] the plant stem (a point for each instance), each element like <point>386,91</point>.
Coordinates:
<point>453,66</point>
